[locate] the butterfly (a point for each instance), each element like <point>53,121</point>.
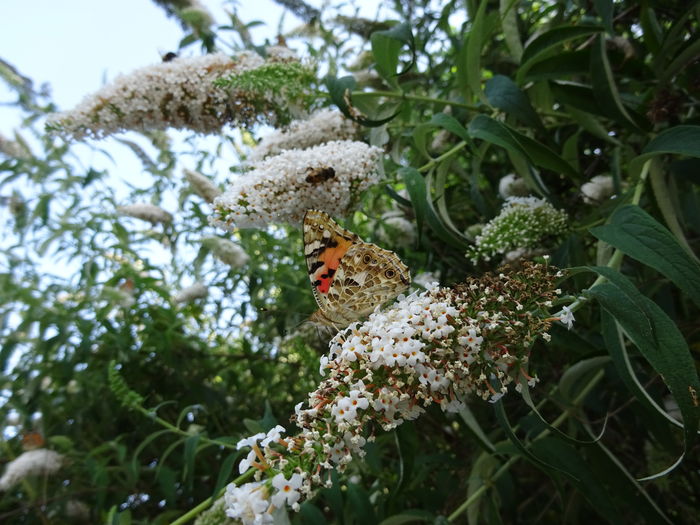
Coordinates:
<point>349,277</point>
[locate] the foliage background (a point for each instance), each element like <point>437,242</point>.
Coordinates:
<point>458,94</point>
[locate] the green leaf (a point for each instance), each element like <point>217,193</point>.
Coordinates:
<point>525,392</point>
<point>309,514</point>
<point>538,49</point>
<point>474,427</point>
<point>604,89</point>
<point>502,419</point>
<point>639,235</point>
<point>474,47</point>
<point>578,375</point>
<point>407,516</point>
<point>386,47</point>
<point>225,472</point>
<point>505,95</point>
<point>587,481</point>
<point>679,140</point>
<point>657,338</point>
<point>509,25</point>
<point>406,446</point>
<point>613,337</point>
<point>340,90</point>
<point>576,95</point>
<point>167,482</point>
<point>358,505</point>
<point>604,8</point>
<point>618,481</point>
<point>561,65</point>
<point>451,124</point>
<point>491,130</point>
<point>440,120</point>
<point>423,208</point>
<point>415,185</point>
<point>591,124</point>
<point>190,451</point>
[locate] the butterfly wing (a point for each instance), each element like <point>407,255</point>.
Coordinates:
<point>325,244</point>
<point>367,277</point>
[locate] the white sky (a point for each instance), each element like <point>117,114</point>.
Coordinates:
<point>75,45</point>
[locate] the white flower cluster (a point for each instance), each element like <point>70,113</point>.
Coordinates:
<point>179,94</point>
<point>281,54</point>
<point>512,186</point>
<point>226,251</point>
<point>146,212</point>
<point>36,462</point>
<point>328,177</point>
<point>524,222</point>
<point>255,503</point>
<point>191,293</point>
<point>321,127</point>
<point>425,279</point>
<point>201,185</point>
<point>396,230</point>
<point>438,346</point>
<point>13,149</point>
<point>215,515</point>
<point>598,189</point>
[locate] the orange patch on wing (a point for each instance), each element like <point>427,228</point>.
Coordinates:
<point>323,277</point>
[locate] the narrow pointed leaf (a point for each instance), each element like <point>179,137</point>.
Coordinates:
<point>639,235</point>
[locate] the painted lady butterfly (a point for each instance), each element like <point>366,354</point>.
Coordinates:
<point>349,277</point>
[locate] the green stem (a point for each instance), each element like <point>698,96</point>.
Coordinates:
<point>441,101</point>
<point>193,512</point>
<point>442,157</point>
<point>176,430</point>
<point>506,466</point>
<point>616,258</point>
<point>419,98</point>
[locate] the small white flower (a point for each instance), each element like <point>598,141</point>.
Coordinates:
<point>567,317</point>
<point>512,186</point>
<point>249,503</point>
<point>274,434</point>
<point>287,490</point>
<point>598,189</point>
<point>425,279</point>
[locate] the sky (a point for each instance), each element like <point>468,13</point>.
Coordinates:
<point>77,45</point>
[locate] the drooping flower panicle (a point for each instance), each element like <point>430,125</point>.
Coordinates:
<point>201,185</point>
<point>227,251</point>
<point>146,212</point>
<point>35,462</point>
<point>329,177</point>
<point>435,347</point>
<point>191,293</point>
<point>322,126</point>
<point>181,94</point>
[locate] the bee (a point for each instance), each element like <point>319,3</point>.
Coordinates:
<point>167,57</point>
<point>319,175</point>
